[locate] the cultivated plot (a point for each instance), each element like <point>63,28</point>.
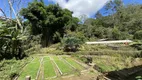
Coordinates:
<point>75,64</point>
<point>31,69</point>
<point>48,68</point>
<point>65,68</point>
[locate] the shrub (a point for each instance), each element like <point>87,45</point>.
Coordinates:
<point>138,35</point>
<point>9,69</point>
<point>32,44</point>
<point>11,40</point>
<point>86,59</point>
<point>137,45</point>
<point>72,41</point>
<point>116,34</point>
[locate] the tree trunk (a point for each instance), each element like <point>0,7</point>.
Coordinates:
<point>18,21</point>
<point>3,12</point>
<point>46,37</point>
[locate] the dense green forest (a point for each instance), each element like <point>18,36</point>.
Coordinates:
<point>46,26</point>
<point>53,24</point>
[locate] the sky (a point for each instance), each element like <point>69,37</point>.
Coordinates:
<point>86,7</point>
<point>0,13</point>
<point>79,7</point>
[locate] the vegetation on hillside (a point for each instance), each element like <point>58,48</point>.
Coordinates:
<point>42,27</point>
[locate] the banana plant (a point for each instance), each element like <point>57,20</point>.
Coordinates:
<point>10,41</point>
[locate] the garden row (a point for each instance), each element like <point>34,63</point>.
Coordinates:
<point>51,67</point>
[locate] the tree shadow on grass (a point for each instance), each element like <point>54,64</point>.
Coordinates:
<point>126,74</point>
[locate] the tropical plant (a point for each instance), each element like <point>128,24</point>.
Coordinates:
<point>72,41</point>
<point>11,41</point>
<point>138,35</point>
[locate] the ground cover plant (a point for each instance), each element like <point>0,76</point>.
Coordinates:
<point>107,63</point>
<point>9,69</point>
<point>65,68</point>
<point>48,68</point>
<point>75,64</point>
<point>31,69</point>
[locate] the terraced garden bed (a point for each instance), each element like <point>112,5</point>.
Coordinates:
<point>48,68</point>
<point>75,64</point>
<point>65,68</point>
<point>31,69</point>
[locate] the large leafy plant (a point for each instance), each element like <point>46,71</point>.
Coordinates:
<point>10,41</point>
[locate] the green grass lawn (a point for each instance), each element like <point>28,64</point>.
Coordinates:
<point>48,68</point>
<point>30,70</point>
<point>65,68</point>
<point>75,64</point>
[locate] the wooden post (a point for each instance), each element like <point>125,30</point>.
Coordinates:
<point>28,77</point>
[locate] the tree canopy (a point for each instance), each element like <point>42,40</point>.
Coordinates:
<point>48,20</point>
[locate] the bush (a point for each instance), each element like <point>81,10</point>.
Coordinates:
<point>72,41</point>
<point>9,69</point>
<point>138,35</point>
<point>137,45</point>
<point>116,34</point>
<point>32,44</point>
<point>86,59</point>
<point>11,41</point>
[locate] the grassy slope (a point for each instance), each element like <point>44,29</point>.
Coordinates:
<point>109,63</point>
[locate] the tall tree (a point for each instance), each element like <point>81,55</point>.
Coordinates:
<point>47,20</point>
<point>98,15</point>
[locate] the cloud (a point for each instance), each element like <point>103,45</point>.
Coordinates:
<point>82,7</point>
<point>1,13</point>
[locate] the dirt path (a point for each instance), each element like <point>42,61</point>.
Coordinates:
<point>55,68</point>
<point>40,75</point>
